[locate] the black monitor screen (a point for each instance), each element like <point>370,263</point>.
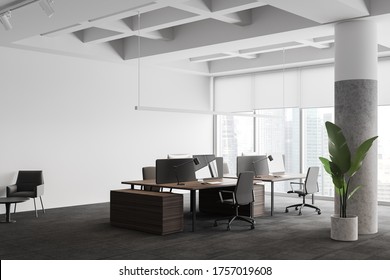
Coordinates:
<point>249,163</point>
<point>167,169</point>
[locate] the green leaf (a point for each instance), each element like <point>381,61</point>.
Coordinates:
<point>338,147</point>
<point>353,192</point>
<point>325,163</point>
<point>361,153</point>
<point>337,176</point>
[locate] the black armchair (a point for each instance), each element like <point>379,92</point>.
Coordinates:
<point>28,184</point>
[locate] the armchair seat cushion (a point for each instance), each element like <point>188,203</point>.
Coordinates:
<point>22,194</point>
<point>299,192</point>
<point>228,201</point>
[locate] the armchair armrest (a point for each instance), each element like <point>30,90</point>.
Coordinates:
<point>39,190</point>
<point>296,183</point>
<point>11,189</point>
<point>227,192</point>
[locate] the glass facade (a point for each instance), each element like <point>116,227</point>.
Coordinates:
<point>235,135</point>
<point>297,130</point>
<point>383,154</point>
<point>315,144</point>
<point>277,132</point>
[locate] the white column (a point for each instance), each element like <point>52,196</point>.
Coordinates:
<point>356,110</point>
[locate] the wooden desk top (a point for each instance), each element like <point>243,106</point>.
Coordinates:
<point>193,185</point>
<point>278,178</point>
<point>274,178</point>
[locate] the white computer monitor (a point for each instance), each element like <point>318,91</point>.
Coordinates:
<point>276,166</point>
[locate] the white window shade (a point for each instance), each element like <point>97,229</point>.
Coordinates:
<point>277,89</point>
<point>317,87</point>
<point>233,94</point>
<point>384,83</point>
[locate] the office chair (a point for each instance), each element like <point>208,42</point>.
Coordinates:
<point>310,186</point>
<point>28,184</point>
<point>225,168</point>
<point>149,173</point>
<point>241,195</point>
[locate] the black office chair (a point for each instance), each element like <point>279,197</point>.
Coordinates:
<point>241,195</point>
<point>28,184</point>
<point>310,186</point>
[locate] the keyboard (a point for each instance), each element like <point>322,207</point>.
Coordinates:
<point>211,182</point>
<point>269,177</point>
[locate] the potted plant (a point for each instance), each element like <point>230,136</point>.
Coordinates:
<point>342,166</point>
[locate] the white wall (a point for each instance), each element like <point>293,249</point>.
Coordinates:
<point>75,120</point>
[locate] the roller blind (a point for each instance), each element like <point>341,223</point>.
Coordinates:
<point>317,87</point>
<point>384,83</point>
<point>279,89</point>
<point>233,93</point>
<point>311,87</point>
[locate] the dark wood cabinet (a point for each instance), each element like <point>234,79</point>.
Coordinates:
<point>154,212</point>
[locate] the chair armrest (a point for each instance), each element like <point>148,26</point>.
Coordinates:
<point>11,189</point>
<point>295,183</point>
<point>39,190</point>
<point>226,192</point>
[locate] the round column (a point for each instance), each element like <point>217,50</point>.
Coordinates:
<point>356,111</point>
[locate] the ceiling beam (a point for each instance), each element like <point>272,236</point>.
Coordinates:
<point>267,21</point>
<point>312,43</point>
<point>323,11</point>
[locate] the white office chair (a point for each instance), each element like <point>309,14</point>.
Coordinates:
<point>310,186</point>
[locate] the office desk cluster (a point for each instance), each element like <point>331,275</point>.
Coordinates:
<point>208,194</point>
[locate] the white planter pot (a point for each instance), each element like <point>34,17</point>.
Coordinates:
<point>344,229</point>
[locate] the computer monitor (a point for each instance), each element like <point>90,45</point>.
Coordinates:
<point>213,168</point>
<point>208,166</point>
<point>174,156</point>
<point>203,160</point>
<point>219,161</point>
<point>276,166</point>
<point>249,163</point>
<point>175,170</point>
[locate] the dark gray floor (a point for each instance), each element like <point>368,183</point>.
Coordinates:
<point>84,232</point>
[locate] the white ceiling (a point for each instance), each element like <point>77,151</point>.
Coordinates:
<point>208,37</point>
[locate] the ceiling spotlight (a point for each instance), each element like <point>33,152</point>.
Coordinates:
<point>4,18</point>
<point>46,6</point>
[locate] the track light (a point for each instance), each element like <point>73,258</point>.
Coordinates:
<point>4,18</point>
<point>46,6</point>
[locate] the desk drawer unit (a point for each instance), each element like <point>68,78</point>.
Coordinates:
<point>153,212</point>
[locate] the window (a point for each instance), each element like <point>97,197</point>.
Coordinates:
<point>235,136</point>
<point>383,153</point>
<point>278,132</point>
<point>315,144</point>
<point>299,133</point>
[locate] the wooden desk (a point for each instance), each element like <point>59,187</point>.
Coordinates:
<point>192,186</point>
<point>272,179</point>
<point>278,178</point>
